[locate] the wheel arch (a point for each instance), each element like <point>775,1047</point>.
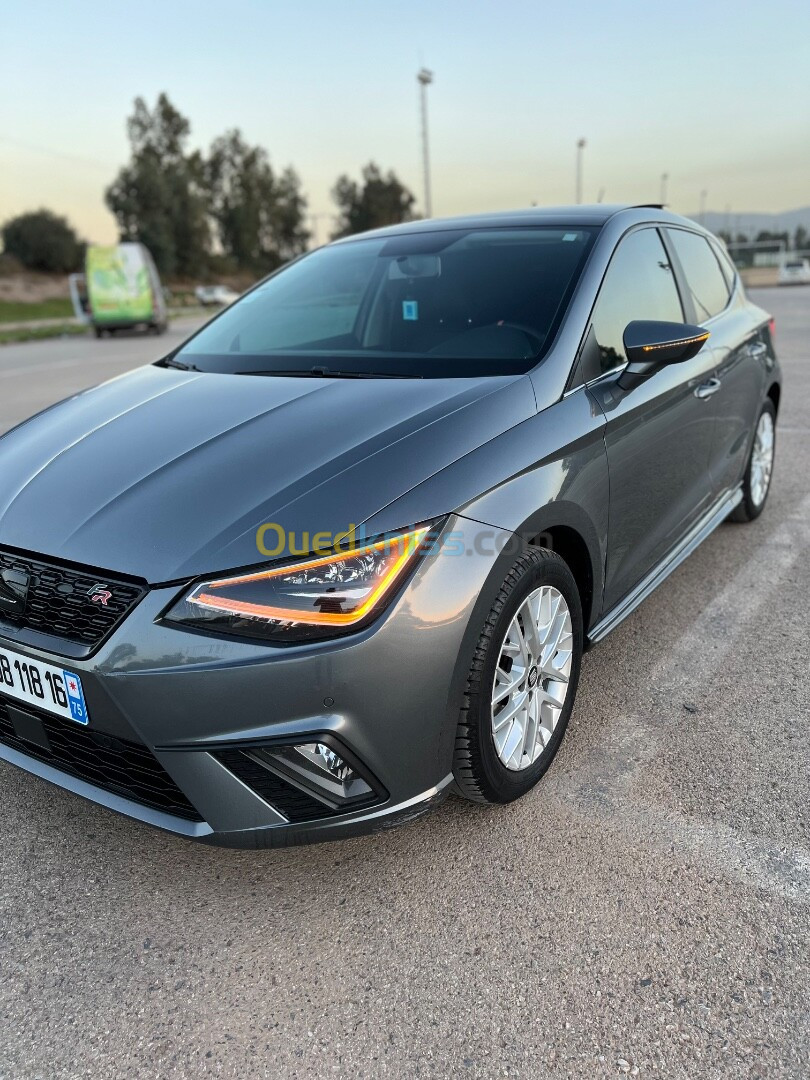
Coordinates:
<point>561,527</point>
<point>572,547</point>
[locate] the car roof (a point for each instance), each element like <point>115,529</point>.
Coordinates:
<point>596,214</point>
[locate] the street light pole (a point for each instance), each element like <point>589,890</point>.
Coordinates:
<point>425,78</point>
<point>315,219</point>
<point>580,148</point>
<point>664,179</point>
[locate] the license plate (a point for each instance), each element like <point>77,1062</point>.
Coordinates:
<point>47,687</point>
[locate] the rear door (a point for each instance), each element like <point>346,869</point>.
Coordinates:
<point>713,298</point>
<point>659,435</point>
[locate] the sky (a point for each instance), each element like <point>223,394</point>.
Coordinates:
<point>715,94</point>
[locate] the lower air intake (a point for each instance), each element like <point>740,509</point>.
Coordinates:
<point>116,765</point>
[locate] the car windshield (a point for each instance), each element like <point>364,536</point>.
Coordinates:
<point>449,303</point>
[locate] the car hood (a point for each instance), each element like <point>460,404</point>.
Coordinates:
<point>164,474</point>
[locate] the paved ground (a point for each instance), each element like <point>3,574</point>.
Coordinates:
<point>644,912</point>
<point>39,372</point>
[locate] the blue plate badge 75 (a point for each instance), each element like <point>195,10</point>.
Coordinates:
<point>75,696</point>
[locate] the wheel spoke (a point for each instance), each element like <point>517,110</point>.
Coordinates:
<point>510,712</point>
<point>502,690</point>
<point>513,740</point>
<point>530,728</point>
<point>531,607</point>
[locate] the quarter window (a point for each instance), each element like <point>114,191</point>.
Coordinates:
<point>726,264</point>
<point>705,280</point>
<point>639,284</point>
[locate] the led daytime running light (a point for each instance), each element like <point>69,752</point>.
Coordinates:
<point>406,544</point>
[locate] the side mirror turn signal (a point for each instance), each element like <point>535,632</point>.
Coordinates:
<point>650,346</point>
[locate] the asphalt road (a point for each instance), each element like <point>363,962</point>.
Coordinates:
<point>645,911</point>
<point>38,373</point>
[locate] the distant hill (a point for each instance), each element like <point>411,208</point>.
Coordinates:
<point>752,223</point>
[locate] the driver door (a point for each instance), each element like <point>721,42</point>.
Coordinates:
<point>658,435</point>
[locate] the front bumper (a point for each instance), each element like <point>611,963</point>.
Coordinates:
<point>389,694</point>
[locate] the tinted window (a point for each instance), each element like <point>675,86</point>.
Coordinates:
<point>707,286</point>
<point>639,284</point>
<point>726,264</point>
<point>452,303</point>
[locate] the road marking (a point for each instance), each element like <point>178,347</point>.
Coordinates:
<point>603,781</point>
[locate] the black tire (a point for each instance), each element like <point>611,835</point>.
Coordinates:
<point>748,510</point>
<point>98,331</point>
<point>479,774</point>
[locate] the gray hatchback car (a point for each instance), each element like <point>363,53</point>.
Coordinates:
<point>340,553</point>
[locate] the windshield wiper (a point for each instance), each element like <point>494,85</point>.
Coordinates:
<point>172,363</point>
<point>331,373</point>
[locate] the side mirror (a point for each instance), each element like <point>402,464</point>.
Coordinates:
<point>649,346</point>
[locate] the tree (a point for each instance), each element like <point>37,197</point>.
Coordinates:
<point>42,240</point>
<point>158,198</point>
<point>800,238</point>
<point>765,235</point>
<point>380,200</point>
<point>259,216</point>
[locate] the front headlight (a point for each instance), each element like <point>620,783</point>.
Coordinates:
<point>315,598</point>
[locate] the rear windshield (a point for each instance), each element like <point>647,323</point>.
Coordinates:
<point>430,304</point>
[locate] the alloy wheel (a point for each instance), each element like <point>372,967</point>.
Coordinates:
<point>531,678</point>
<point>762,459</point>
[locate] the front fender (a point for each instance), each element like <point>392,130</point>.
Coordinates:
<point>551,470</point>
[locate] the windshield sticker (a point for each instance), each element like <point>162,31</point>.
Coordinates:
<point>410,310</point>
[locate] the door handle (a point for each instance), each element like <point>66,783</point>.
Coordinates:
<point>705,390</point>
<point>757,350</point>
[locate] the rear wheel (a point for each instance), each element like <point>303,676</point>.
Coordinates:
<point>522,682</point>
<point>757,479</point>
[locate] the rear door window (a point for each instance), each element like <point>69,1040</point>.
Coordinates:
<point>707,286</point>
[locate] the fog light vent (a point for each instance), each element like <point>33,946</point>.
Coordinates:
<point>305,781</point>
<point>322,770</point>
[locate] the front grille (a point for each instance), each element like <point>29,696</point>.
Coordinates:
<point>60,603</point>
<point>290,801</point>
<point>117,765</point>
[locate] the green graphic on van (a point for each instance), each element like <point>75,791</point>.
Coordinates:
<point>118,284</point>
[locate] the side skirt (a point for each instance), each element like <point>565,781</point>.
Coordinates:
<point>703,528</point>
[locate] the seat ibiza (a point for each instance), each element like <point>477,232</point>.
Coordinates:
<point>340,553</point>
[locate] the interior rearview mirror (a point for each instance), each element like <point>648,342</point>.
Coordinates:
<point>414,266</point>
<point>649,346</point>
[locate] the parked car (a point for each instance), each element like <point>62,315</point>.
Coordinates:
<point>795,272</point>
<point>215,295</point>
<point>340,553</point>
<point>119,290</point>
